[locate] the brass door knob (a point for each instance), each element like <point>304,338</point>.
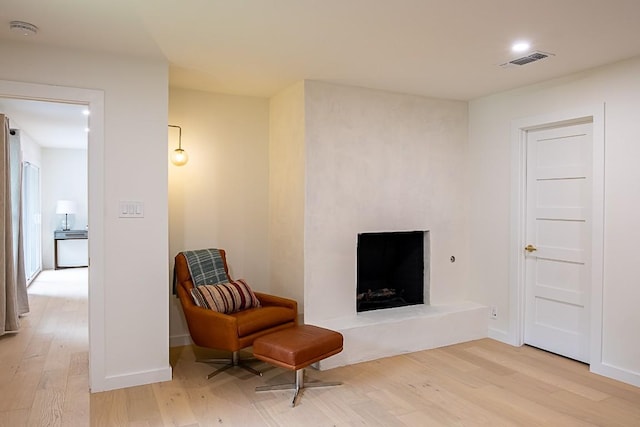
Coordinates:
<point>530,248</point>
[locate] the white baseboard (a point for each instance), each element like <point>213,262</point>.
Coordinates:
<point>616,373</point>
<point>132,379</point>
<point>180,340</point>
<point>499,335</point>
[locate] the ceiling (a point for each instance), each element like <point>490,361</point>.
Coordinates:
<point>438,48</point>
<point>49,124</point>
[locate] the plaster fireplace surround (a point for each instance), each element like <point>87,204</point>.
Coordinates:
<point>346,161</point>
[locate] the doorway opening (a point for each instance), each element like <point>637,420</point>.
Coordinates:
<point>94,100</point>
<point>50,140</point>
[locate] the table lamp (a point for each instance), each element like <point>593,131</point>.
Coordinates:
<point>66,208</point>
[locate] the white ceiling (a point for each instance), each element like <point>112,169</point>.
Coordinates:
<point>49,124</point>
<point>438,48</point>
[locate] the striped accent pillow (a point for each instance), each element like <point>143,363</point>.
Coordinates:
<point>225,297</point>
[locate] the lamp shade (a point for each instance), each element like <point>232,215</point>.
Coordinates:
<point>66,207</point>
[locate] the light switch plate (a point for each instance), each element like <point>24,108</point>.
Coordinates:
<point>131,210</point>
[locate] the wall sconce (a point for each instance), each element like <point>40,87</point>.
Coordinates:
<point>179,157</point>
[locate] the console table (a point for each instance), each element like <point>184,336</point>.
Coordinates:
<point>59,235</point>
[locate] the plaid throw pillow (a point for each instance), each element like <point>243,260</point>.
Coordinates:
<point>225,297</point>
<point>206,267</point>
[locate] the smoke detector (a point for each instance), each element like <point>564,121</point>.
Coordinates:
<point>528,59</point>
<point>23,28</point>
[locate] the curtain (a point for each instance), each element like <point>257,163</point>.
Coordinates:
<point>17,172</point>
<point>13,288</point>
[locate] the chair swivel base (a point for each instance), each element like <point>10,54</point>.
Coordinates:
<point>298,386</point>
<point>234,361</point>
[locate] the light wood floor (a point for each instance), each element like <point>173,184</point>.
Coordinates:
<point>43,382</point>
<point>44,378</point>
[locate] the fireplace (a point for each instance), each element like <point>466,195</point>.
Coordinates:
<point>391,270</point>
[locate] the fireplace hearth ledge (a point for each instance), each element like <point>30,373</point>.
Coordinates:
<point>376,334</point>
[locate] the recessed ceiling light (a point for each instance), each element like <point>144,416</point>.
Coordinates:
<point>520,46</point>
<point>86,112</point>
<point>23,28</point>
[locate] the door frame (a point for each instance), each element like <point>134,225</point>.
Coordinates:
<point>94,99</point>
<point>519,130</point>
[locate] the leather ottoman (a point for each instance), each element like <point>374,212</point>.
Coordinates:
<point>296,348</point>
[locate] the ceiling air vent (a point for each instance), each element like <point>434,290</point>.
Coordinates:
<point>532,57</point>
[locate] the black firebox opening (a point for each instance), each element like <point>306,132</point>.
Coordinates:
<point>390,270</point>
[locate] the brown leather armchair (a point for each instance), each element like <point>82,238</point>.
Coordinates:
<point>235,331</point>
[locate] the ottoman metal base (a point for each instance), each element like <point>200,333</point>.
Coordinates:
<point>297,386</point>
<point>295,349</point>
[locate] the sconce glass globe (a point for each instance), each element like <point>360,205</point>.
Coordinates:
<point>179,157</point>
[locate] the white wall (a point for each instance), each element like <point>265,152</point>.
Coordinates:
<point>31,151</point>
<point>220,197</point>
<point>64,177</point>
<point>490,118</point>
<point>287,193</point>
<point>129,318</point>
<point>380,161</point>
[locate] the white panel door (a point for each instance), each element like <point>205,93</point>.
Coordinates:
<point>557,255</point>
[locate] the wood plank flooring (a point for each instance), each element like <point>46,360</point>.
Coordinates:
<point>44,378</point>
<point>44,382</point>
